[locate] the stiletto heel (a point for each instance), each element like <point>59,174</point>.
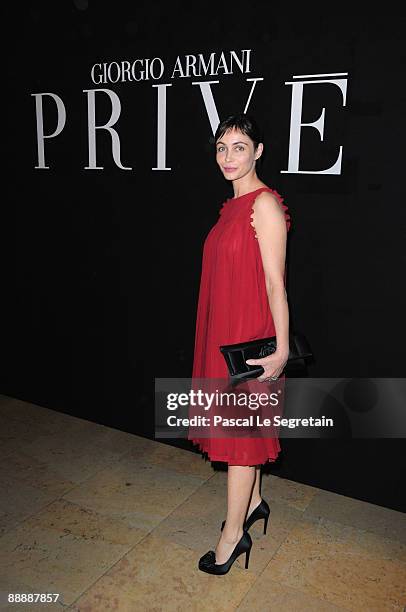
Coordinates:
<point>208,564</point>
<point>262,511</point>
<point>247,558</point>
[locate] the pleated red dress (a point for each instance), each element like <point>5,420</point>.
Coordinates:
<point>233,307</point>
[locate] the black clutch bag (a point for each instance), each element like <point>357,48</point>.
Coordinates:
<point>237,354</point>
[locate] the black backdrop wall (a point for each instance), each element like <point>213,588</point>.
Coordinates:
<point>102,265</point>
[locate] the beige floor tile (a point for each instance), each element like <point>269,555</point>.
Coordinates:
<point>141,493</point>
<point>268,596</point>
<point>282,520</point>
<point>65,518</point>
<point>16,434</point>
<point>26,422</point>
<point>158,575</point>
<point>195,523</point>
<point>293,494</point>
<point>348,567</point>
<point>176,459</point>
<point>384,522</point>
<point>75,452</point>
<point>19,500</point>
<point>141,446</point>
<point>27,470</point>
<point>64,549</point>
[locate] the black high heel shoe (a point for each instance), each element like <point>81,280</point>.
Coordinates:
<point>261,512</point>
<point>208,564</point>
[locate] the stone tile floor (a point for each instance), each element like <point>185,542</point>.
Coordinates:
<point>113,521</point>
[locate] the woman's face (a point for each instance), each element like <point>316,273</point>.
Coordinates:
<point>235,154</point>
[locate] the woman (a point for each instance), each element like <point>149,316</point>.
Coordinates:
<point>242,297</point>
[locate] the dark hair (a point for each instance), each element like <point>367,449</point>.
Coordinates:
<point>245,124</point>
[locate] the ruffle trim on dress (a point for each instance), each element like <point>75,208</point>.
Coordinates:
<point>259,460</point>
<point>284,208</point>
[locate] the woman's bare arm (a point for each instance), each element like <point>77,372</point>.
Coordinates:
<point>269,225</point>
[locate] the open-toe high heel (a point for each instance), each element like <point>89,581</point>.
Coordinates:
<point>261,512</point>
<point>208,564</point>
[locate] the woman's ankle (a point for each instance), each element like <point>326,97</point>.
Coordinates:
<point>232,534</point>
<point>254,503</point>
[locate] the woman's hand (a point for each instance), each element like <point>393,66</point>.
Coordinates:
<point>272,364</point>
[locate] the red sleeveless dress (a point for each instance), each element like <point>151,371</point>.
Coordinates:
<point>233,307</point>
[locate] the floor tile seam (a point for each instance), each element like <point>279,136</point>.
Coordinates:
<point>352,499</point>
<point>169,469</point>
<point>60,497</point>
<point>319,516</point>
<point>94,582</point>
<point>340,607</point>
<point>169,541</point>
<point>107,569</point>
<point>70,417</point>
<point>150,531</point>
<point>140,541</point>
<point>272,557</point>
<point>55,467</point>
<point>55,413</point>
<point>164,518</point>
<point>307,520</point>
<point>184,500</point>
<point>27,518</point>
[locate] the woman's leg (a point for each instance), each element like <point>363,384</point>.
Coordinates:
<point>240,482</point>
<point>256,491</point>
